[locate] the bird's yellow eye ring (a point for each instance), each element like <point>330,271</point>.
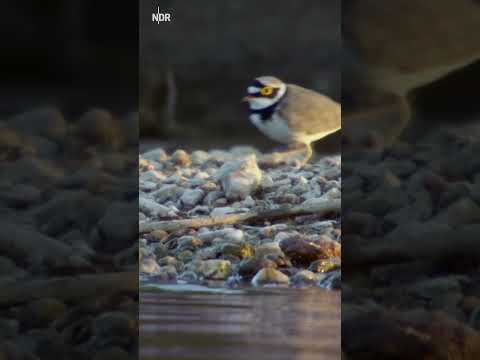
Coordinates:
<point>266,91</point>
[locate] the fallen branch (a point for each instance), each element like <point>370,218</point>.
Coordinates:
<point>73,288</point>
<point>319,206</point>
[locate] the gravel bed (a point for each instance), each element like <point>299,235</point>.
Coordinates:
<point>296,250</point>
<point>412,223</point>
<point>68,239</point>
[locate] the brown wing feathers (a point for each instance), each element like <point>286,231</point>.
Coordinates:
<point>309,112</point>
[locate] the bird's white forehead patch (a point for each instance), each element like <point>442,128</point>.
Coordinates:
<point>253,90</point>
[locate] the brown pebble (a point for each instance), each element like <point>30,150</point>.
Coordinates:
<point>181,157</point>
<point>249,267</point>
<point>158,235</point>
<point>325,265</point>
<point>100,127</point>
<point>303,252</point>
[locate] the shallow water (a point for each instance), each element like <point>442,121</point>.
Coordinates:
<point>180,323</point>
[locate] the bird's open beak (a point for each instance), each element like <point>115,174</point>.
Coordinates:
<point>247,98</point>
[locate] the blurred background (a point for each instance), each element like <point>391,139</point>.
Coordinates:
<point>410,179</point>
<point>195,69</point>
<point>69,179</point>
<point>72,54</point>
<point>419,61</point>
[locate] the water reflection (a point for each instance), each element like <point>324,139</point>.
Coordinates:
<point>286,324</point>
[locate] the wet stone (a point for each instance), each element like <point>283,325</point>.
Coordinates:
<point>303,252</point>
<point>270,276</point>
<point>303,278</point>
<point>215,269</point>
<point>325,265</point>
<point>249,267</point>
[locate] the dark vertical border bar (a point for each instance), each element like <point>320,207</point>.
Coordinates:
<point>69,180</point>
<point>411,179</point>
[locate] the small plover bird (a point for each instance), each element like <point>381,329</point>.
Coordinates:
<point>291,114</point>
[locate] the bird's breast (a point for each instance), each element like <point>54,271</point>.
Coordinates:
<point>274,127</point>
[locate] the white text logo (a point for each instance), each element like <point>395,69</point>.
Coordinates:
<point>159,17</point>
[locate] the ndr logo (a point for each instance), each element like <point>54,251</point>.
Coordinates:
<point>159,17</point>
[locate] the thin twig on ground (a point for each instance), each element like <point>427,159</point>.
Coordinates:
<point>321,207</point>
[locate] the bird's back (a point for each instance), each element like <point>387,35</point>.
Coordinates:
<point>310,112</point>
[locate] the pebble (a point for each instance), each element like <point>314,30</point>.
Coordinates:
<point>99,127</point>
<point>153,209</point>
<point>228,235</point>
<point>303,252</point>
<point>270,276</point>
<point>181,157</point>
<point>215,269</point>
<point>251,266</point>
<point>192,197</point>
<point>240,178</point>
<point>268,249</point>
<point>157,155</point>
<point>325,265</point>
<point>46,121</point>
<point>149,266</point>
<point>199,157</point>
<point>303,278</point>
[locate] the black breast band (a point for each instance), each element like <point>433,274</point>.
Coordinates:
<point>267,112</point>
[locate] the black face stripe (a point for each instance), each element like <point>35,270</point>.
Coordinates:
<point>258,84</point>
<point>266,113</point>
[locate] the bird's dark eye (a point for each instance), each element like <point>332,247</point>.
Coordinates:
<point>266,91</point>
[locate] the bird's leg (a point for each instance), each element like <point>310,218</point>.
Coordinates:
<point>293,149</point>
<point>290,155</point>
<point>309,152</point>
<point>308,155</point>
